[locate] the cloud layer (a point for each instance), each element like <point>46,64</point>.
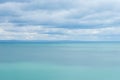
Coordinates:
<point>60,20</point>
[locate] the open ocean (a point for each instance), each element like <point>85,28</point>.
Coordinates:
<point>60,61</point>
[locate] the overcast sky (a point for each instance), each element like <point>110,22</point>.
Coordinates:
<point>81,20</point>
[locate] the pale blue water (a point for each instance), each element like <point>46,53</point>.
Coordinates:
<point>60,61</point>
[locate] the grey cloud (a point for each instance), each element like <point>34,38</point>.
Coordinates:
<point>4,1</point>
<point>67,14</point>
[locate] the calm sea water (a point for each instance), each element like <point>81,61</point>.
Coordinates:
<point>63,61</point>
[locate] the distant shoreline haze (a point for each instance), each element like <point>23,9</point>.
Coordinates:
<point>53,41</point>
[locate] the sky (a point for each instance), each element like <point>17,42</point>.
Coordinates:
<point>75,20</point>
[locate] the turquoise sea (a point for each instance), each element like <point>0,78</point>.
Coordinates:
<point>60,61</point>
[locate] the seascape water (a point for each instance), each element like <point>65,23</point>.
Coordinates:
<point>60,61</point>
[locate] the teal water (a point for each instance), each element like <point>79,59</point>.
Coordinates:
<point>63,61</point>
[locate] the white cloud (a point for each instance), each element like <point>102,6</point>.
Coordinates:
<point>13,32</point>
<point>60,20</point>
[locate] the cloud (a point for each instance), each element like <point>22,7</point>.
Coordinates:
<point>59,20</point>
<point>4,1</point>
<point>13,32</point>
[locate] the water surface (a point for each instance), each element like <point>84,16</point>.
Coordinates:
<point>60,61</point>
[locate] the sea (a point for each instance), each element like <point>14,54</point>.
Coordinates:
<point>60,61</point>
